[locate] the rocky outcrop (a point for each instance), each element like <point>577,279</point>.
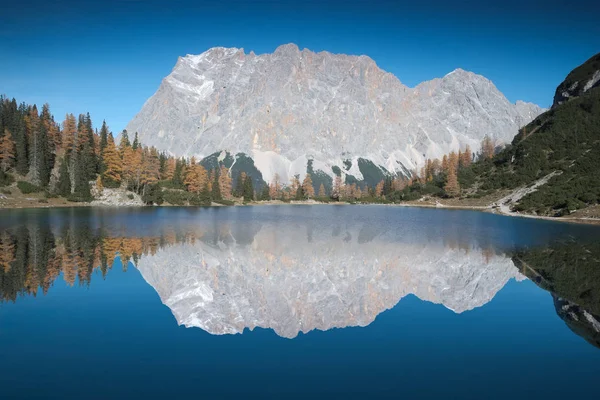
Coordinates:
<point>286,108</point>
<point>579,81</point>
<point>115,198</point>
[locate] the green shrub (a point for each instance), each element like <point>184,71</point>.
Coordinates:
<point>43,201</point>
<point>176,197</point>
<point>26,187</point>
<point>78,198</point>
<point>5,179</point>
<point>198,200</point>
<point>130,196</point>
<point>152,195</point>
<point>110,184</point>
<point>225,202</point>
<point>171,185</point>
<point>466,177</point>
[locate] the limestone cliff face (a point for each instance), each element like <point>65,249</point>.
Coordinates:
<point>298,279</point>
<point>291,106</point>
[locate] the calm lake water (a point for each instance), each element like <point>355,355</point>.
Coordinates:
<point>296,302</point>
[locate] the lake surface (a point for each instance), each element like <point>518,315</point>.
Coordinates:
<point>296,302</point>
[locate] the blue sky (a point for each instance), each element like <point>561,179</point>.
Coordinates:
<point>109,57</point>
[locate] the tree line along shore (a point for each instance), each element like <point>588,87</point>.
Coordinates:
<point>72,162</point>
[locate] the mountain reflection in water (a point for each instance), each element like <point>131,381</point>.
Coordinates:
<point>296,275</point>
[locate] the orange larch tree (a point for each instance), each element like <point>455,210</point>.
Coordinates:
<point>322,191</point>
<point>275,187</point>
<point>307,187</point>
<point>112,174</point>
<point>453,162</point>
<point>452,187</point>
<point>7,251</point>
<point>170,169</point>
<point>488,148</point>
<point>150,166</point>
<point>295,185</point>
<point>7,150</point>
<point>52,129</point>
<point>445,163</point>
<point>192,177</point>
<point>69,133</point>
<point>467,157</point>
<point>379,189</point>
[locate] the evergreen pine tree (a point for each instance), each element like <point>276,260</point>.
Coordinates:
<point>265,195</point>
<point>103,142</point>
<point>44,155</point>
<point>86,141</point>
<point>238,191</point>
<point>63,188</point>
<point>248,189</point>
<point>90,139</point>
<point>52,139</point>
<point>387,186</point>
<point>178,174</point>
<point>162,169</point>
<point>205,194</point>
<point>21,144</point>
<point>81,189</point>
<point>32,126</point>
<point>216,190</point>
<point>225,183</point>
<point>103,136</point>
<point>299,195</point>
<point>136,142</point>
<point>124,143</point>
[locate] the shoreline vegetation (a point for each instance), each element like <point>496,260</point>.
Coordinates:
<point>34,203</point>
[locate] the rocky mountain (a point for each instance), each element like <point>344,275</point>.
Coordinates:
<point>287,108</point>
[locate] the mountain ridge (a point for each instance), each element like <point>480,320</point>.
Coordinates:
<point>285,108</point>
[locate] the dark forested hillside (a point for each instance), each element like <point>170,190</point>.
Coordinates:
<point>565,139</point>
<point>564,142</point>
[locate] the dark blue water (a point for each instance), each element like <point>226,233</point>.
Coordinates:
<point>109,335</point>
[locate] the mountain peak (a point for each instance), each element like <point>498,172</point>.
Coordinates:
<point>285,108</point>
<point>211,54</point>
<point>289,48</point>
<point>458,71</point>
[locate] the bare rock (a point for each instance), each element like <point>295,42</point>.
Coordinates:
<point>293,105</point>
